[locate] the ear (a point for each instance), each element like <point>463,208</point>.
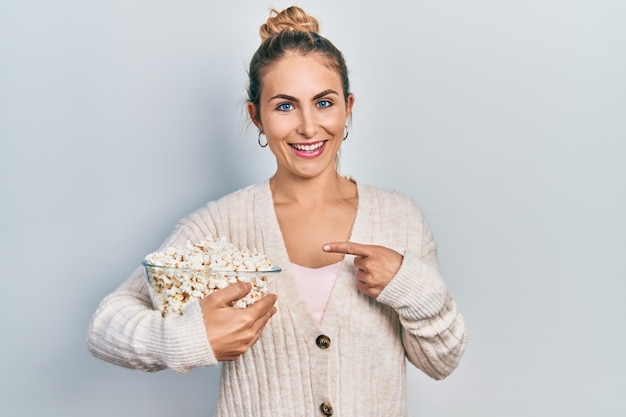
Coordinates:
<point>252,112</point>
<point>349,105</point>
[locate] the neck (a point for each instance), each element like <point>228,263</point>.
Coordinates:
<point>310,191</point>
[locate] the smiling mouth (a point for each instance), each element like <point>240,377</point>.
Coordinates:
<point>309,147</point>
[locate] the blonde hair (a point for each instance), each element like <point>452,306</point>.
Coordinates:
<point>291,30</point>
<point>291,19</point>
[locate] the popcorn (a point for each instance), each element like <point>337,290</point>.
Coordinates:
<point>179,275</point>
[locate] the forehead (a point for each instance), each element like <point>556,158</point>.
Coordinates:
<point>293,73</point>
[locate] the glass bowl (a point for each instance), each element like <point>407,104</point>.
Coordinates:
<point>172,289</point>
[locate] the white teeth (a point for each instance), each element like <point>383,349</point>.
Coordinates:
<point>307,148</point>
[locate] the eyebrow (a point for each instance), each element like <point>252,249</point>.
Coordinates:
<point>315,97</point>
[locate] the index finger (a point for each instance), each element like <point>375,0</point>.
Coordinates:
<point>348,248</point>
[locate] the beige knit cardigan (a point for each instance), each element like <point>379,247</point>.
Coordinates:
<point>361,373</point>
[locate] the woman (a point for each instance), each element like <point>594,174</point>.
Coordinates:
<point>360,291</point>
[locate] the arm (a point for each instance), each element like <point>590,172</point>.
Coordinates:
<point>433,330</point>
<point>126,331</point>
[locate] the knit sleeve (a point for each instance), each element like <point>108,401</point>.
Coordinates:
<point>126,331</point>
<point>433,329</point>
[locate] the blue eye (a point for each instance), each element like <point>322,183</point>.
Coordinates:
<point>324,103</point>
<point>284,107</point>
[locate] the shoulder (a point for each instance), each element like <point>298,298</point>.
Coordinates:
<point>386,197</point>
<point>227,206</point>
<point>249,192</point>
<point>238,197</point>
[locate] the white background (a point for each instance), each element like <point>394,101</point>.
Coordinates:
<point>505,120</point>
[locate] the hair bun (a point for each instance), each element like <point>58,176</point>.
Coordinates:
<point>291,19</point>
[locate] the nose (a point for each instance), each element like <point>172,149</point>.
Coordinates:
<point>307,126</point>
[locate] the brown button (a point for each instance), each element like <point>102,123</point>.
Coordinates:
<point>326,408</point>
<point>323,342</point>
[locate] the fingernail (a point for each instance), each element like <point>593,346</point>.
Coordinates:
<point>326,248</point>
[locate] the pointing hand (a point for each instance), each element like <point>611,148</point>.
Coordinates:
<point>376,265</point>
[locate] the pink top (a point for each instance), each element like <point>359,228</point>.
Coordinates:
<point>315,285</point>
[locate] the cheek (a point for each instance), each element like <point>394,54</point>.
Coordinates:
<point>338,123</point>
<point>276,126</point>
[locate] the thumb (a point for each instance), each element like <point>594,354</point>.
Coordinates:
<point>233,292</point>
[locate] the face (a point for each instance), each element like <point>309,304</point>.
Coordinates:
<point>303,114</point>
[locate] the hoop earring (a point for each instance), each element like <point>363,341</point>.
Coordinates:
<point>258,139</point>
<point>347,133</point>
